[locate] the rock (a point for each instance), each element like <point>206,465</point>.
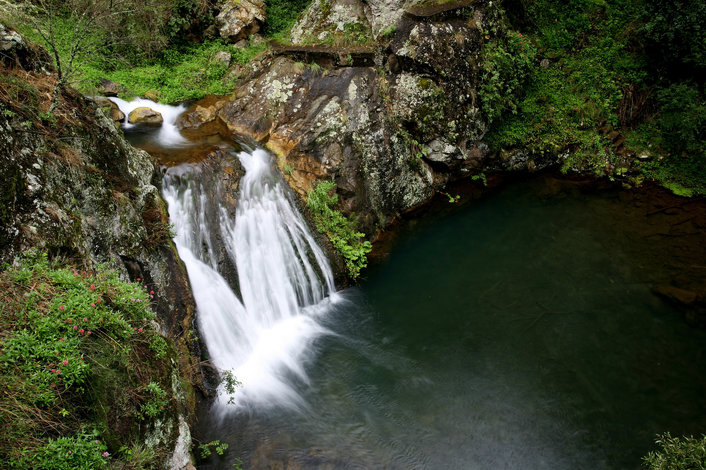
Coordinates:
<point>111,109</point>
<point>108,88</point>
<point>222,57</point>
<point>337,21</point>
<point>152,95</point>
<point>239,19</point>
<point>15,51</point>
<point>145,116</point>
<point>679,296</point>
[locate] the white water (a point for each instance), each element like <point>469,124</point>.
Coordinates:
<point>168,135</point>
<point>286,282</point>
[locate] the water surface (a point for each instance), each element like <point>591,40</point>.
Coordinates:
<point>519,332</point>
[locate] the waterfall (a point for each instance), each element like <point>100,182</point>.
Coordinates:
<point>169,135</point>
<point>265,337</point>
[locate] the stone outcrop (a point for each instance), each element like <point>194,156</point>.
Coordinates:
<point>110,109</point>
<point>146,116</point>
<point>393,130</point>
<point>239,19</point>
<point>77,190</point>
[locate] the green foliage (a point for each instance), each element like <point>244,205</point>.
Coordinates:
<point>504,71</point>
<point>75,350</point>
<point>81,451</point>
<point>281,16</point>
<point>181,73</point>
<point>591,53</point>
<point>156,402</point>
<point>686,453</point>
<point>205,449</point>
<point>339,229</point>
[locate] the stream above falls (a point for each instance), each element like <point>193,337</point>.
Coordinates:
<point>518,331</point>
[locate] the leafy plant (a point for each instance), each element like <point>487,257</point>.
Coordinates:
<point>685,453</point>
<point>340,230</point>
<point>205,449</point>
<point>75,350</point>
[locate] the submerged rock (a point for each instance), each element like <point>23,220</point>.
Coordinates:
<point>144,115</point>
<point>238,20</point>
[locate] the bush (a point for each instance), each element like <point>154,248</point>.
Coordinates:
<point>339,229</point>
<point>505,69</point>
<point>686,453</point>
<point>282,14</point>
<point>79,367</point>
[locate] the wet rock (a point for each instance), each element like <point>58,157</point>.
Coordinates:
<point>682,297</point>
<point>111,109</point>
<point>146,116</point>
<point>238,20</point>
<point>108,88</point>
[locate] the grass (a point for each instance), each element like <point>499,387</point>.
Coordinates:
<point>83,367</point>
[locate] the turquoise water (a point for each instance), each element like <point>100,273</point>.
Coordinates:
<point>518,332</point>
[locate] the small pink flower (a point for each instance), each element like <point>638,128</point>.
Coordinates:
<point>65,362</point>
<point>93,287</point>
<point>105,454</point>
<point>98,301</point>
<point>151,292</point>
<point>53,370</point>
<point>68,320</point>
<point>144,319</point>
<point>89,332</point>
<point>62,308</point>
<point>161,407</point>
<point>140,330</point>
<point>58,371</point>
<point>75,327</point>
<point>138,279</point>
<point>93,305</point>
<point>81,331</point>
<point>69,452</point>
<point>63,339</point>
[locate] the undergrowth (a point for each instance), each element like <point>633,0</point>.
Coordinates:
<point>341,230</point>
<point>83,368</point>
<point>631,66</point>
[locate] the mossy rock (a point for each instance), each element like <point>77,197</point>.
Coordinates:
<point>147,116</point>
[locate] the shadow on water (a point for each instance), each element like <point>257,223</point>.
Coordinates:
<point>517,332</point>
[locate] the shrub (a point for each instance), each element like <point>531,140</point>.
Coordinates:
<point>78,365</point>
<point>339,229</point>
<point>505,69</point>
<point>686,453</point>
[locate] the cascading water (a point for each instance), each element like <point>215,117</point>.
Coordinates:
<point>168,135</point>
<point>284,278</point>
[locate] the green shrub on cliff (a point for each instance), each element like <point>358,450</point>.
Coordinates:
<point>339,229</point>
<point>78,368</point>
<point>686,453</point>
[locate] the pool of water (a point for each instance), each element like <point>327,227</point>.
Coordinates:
<point>518,332</point>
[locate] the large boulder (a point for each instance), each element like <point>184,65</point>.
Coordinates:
<point>15,51</point>
<point>144,115</point>
<point>108,88</point>
<point>110,109</point>
<point>239,19</point>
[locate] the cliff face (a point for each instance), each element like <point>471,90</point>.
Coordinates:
<point>72,186</point>
<point>385,103</point>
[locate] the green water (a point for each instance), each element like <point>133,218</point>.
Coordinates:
<point>519,332</point>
